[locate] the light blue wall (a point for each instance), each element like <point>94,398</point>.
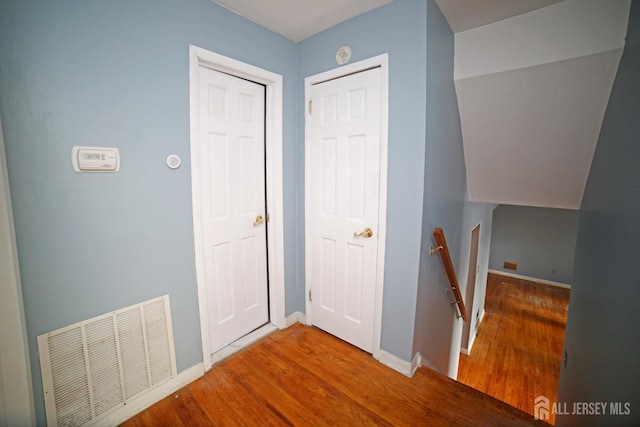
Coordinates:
<point>603,333</point>
<point>444,186</point>
<point>115,73</point>
<point>539,240</point>
<point>400,30</point>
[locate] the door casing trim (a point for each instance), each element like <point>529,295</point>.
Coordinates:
<point>273,148</point>
<point>16,390</point>
<point>381,61</point>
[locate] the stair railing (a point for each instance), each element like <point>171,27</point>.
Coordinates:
<point>438,235</point>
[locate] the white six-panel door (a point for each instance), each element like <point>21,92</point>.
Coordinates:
<point>343,205</point>
<point>232,184</point>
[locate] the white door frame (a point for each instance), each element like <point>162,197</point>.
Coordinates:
<point>470,289</point>
<point>381,61</point>
<point>16,394</point>
<point>273,135</point>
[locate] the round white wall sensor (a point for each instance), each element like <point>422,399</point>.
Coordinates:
<point>173,161</point>
<point>343,55</point>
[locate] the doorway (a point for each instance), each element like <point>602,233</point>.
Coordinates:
<point>236,178</point>
<point>345,202</point>
<point>468,335</point>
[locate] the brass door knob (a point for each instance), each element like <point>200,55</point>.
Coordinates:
<point>364,233</point>
<point>259,220</point>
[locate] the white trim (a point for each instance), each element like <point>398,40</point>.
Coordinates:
<point>416,363</point>
<point>381,61</point>
<point>400,365</point>
<point>472,336</point>
<point>531,279</point>
<point>146,400</point>
<point>467,351</point>
<point>243,343</point>
<point>294,318</point>
<point>16,392</point>
<point>274,87</point>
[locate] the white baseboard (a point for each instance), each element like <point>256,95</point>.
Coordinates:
<point>531,279</point>
<point>467,351</point>
<point>146,400</point>
<point>243,343</point>
<point>294,318</point>
<point>416,363</point>
<point>400,365</point>
<point>472,338</point>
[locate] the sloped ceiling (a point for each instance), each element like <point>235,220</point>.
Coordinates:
<point>466,14</point>
<point>532,91</point>
<point>530,134</point>
<point>299,19</point>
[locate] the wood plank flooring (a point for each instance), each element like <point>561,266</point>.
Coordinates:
<point>302,376</point>
<point>518,351</point>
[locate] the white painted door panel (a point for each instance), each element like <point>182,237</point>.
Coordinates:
<point>345,175</point>
<point>232,182</point>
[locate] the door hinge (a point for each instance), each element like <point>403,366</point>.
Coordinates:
<point>310,106</point>
<point>268,218</point>
<point>310,299</point>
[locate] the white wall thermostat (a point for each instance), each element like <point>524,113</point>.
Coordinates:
<point>343,55</point>
<point>95,159</point>
<point>173,161</point>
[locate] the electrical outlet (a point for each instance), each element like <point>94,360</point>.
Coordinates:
<point>554,271</point>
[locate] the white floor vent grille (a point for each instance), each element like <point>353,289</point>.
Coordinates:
<point>94,367</point>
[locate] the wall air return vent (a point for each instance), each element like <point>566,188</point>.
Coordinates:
<point>510,266</point>
<point>94,367</point>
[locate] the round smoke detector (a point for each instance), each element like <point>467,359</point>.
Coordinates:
<point>343,55</point>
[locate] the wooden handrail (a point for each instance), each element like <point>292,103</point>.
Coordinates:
<point>438,235</point>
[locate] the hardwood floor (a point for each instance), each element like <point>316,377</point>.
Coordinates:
<point>518,351</point>
<point>302,376</point>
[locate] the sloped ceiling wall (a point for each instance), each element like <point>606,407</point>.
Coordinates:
<point>467,14</point>
<point>532,91</point>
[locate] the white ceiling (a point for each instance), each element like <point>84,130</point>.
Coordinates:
<point>300,19</point>
<point>466,14</point>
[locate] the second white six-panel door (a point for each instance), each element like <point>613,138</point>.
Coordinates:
<point>232,180</point>
<point>343,211</point>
